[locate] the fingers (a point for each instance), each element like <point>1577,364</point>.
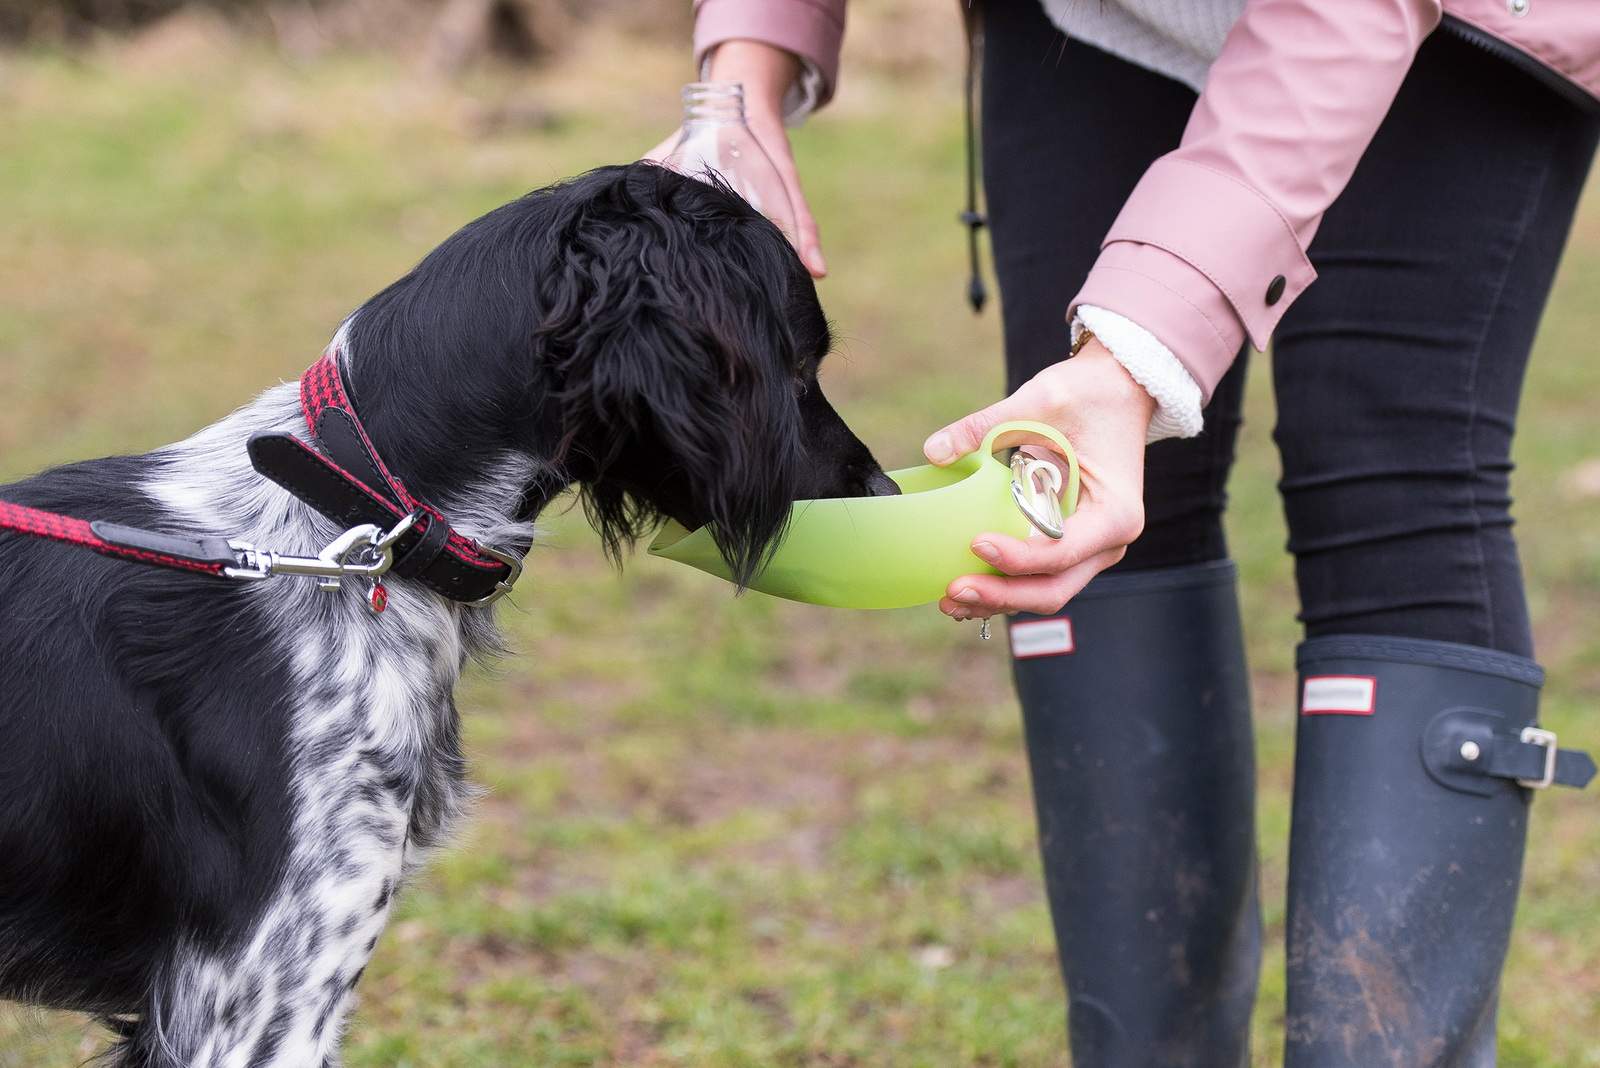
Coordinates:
<point>806,239</point>
<point>1041,574</point>
<point>1108,430</point>
<point>961,437</point>
<point>810,242</point>
<point>979,596</point>
<point>1094,529</point>
<point>1030,401</point>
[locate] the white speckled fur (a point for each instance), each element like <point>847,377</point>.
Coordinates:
<point>372,707</point>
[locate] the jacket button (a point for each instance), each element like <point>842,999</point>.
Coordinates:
<point>1275,290</point>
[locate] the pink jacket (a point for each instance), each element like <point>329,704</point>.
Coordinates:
<point>1288,108</point>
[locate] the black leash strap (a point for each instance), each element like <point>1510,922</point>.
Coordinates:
<point>210,556</point>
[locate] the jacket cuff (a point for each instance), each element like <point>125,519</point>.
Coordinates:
<point>1226,230</point>
<point>1173,301</point>
<point>812,29</point>
<point>803,97</point>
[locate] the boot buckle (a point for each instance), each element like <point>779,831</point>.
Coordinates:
<point>1541,737</point>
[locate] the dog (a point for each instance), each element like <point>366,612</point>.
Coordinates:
<point>211,791</point>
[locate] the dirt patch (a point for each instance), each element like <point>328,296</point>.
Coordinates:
<point>1003,893</point>
<point>803,782</point>
<point>1274,694</point>
<point>1564,631</point>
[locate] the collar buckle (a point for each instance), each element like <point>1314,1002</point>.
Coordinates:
<point>512,561</point>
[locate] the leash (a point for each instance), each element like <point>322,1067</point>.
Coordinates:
<point>390,530</point>
<point>211,556</point>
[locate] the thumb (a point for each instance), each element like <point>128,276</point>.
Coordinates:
<point>964,435</point>
<point>660,153</point>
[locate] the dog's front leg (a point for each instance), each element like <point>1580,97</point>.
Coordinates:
<point>281,1000</point>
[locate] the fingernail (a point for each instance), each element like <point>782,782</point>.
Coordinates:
<point>818,264</point>
<point>987,551</point>
<point>967,596</point>
<point>939,448</point>
<point>960,615</point>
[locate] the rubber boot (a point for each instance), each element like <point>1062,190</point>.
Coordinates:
<point>1136,708</point>
<point>1406,848</point>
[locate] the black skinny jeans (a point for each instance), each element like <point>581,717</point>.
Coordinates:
<point>1397,373</point>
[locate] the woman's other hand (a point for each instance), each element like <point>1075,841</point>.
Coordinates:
<point>1105,414</point>
<point>766,73</point>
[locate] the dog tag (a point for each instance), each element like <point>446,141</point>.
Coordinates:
<point>378,598</point>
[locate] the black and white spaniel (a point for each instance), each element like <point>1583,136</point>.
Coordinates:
<point>211,791</point>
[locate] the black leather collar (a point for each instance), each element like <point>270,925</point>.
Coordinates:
<point>348,482</point>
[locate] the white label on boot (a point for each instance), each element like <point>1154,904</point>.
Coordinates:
<point>1041,637</point>
<point>1339,695</point>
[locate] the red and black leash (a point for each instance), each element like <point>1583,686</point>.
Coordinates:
<point>346,481</point>
<point>209,556</point>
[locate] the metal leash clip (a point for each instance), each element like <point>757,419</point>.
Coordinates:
<point>1036,487</point>
<point>366,551</point>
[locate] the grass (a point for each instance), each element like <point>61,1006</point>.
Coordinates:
<point>718,832</point>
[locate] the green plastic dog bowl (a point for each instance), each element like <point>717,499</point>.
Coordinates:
<point>892,552</point>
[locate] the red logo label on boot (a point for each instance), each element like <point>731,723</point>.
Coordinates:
<point>1339,695</point>
<point>1041,637</point>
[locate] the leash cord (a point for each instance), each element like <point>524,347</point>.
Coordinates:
<point>972,218</point>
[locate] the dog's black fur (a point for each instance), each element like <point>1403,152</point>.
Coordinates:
<point>643,335</point>
<point>642,302</point>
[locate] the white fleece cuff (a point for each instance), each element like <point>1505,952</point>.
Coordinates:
<point>801,99</point>
<point>1152,365</point>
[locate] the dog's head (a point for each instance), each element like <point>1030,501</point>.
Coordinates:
<point>687,337</point>
<point>649,334</point>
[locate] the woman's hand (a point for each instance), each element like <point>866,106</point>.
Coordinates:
<point>766,72</point>
<point>1105,414</point>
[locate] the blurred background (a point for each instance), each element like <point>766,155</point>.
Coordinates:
<point>716,832</point>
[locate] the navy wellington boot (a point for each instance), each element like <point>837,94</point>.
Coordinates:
<point>1415,763</point>
<point>1136,709</point>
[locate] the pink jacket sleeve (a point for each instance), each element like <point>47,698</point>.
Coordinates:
<point>811,29</point>
<point>1210,247</point>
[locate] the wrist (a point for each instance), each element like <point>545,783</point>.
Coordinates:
<point>1113,384</point>
<point>766,72</point>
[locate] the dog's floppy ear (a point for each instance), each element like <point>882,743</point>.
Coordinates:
<point>667,326</point>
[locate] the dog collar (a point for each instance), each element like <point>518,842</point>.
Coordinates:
<point>346,480</point>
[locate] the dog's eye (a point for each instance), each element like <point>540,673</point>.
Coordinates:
<point>801,388</point>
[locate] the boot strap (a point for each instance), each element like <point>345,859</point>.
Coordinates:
<point>1467,748</point>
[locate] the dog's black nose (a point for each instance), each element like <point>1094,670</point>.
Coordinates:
<point>878,484</point>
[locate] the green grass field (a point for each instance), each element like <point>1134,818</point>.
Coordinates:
<point>717,832</point>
